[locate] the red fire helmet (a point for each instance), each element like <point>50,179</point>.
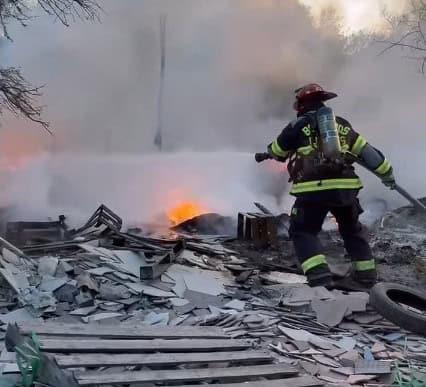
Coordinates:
<point>309,93</point>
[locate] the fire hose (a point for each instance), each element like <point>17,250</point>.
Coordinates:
<point>352,158</point>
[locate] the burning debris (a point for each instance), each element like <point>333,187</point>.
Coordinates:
<point>184,212</point>
<point>79,302</point>
<point>213,224</point>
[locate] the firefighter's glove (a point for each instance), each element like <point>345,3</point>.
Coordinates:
<point>389,180</point>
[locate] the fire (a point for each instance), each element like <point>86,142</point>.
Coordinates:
<point>184,211</point>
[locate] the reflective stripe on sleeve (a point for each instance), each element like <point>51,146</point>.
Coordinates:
<point>360,143</point>
<point>277,150</point>
<point>312,262</point>
<point>383,168</point>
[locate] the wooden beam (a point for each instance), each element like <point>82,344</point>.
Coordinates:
<point>122,332</point>
<point>141,346</point>
<point>165,359</point>
<point>301,381</point>
<point>190,375</point>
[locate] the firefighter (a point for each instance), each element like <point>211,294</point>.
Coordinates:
<point>314,146</point>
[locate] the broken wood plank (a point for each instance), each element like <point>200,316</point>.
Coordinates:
<point>165,359</point>
<point>12,248</point>
<point>122,332</point>
<point>301,381</point>
<point>168,376</point>
<point>141,346</point>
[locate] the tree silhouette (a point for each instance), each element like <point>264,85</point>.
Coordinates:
<point>16,94</point>
<point>411,33</point>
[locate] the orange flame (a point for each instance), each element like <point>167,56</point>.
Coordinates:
<point>184,211</point>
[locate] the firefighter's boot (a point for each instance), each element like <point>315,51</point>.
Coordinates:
<point>365,273</point>
<point>367,278</point>
<point>320,276</point>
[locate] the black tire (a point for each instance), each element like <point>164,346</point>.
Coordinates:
<point>385,298</point>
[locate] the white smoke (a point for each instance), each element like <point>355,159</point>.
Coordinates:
<point>143,188</point>
<point>232,66</point>
<point>357,16</point>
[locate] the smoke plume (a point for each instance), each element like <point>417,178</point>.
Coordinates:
<point>357,16</point>
<point>231,69</point>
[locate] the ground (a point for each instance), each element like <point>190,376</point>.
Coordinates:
<point>398,241</point>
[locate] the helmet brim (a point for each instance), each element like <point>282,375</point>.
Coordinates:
<point>326,95</point>
<point>318,96</point>
<point>314,97</point>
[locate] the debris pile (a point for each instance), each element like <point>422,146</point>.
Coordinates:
<point>108,291</point>
<point>399,243</point>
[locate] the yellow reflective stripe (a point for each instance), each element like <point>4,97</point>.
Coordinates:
<point>383,168</point>
<point>365,265</point>
<point>360,143</point>
<point>312,262</point>
<point>323,185</point>
<point>305,150</point>
<point>277,150</point>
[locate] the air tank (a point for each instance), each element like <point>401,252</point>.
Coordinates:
<point>330,142</point>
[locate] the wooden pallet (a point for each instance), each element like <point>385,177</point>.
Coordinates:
<point>90,355</point>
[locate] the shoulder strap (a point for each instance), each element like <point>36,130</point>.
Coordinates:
<point>312,118</point>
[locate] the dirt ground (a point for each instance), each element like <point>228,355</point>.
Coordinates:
<point>398,241</point>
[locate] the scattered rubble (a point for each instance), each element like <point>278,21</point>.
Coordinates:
<point>98,287</point>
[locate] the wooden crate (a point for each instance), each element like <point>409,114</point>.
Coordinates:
<point>261,229</point>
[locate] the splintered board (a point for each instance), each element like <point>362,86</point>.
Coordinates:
<point>301,381</point>
<point>121,332</point>
<point>160,359</point>
<point>189,375</point>
<point>141,346</point>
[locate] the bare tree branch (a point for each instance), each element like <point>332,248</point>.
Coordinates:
<point>66,10</point>
<point>18,96</point>
<point>399,42</point>
<point>412,26</point>
<point>13,10</point>
<point>63,10</point>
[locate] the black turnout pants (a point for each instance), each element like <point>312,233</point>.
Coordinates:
<point>306,222</point>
